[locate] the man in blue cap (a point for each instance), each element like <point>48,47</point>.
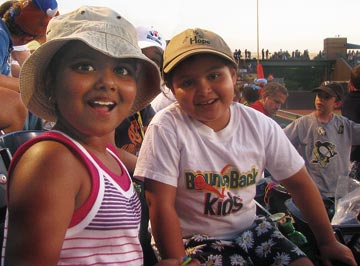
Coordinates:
<point>21,22</point>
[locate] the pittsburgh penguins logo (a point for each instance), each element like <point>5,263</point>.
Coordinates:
<point>322,152</point>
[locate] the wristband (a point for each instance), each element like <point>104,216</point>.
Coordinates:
<point>186,260</point>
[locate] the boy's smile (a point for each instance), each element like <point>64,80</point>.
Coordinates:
<point>204,87</point>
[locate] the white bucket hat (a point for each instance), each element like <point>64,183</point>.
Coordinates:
<point>103,30</point>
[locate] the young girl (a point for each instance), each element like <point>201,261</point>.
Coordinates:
<point>70,199</point>
<point>202,158</point>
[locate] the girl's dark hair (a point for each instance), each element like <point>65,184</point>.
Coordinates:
<point>51,69</point>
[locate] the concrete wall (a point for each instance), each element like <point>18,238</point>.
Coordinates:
<point>342,70</point>
<point>335,47</point>
<point>300,100</point>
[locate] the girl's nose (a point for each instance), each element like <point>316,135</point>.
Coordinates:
<point>106,80</point>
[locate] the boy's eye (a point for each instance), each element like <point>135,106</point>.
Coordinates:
<point>214,75</point>
<point>186,83</point>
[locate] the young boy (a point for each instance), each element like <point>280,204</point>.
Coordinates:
<point>325,138</point>
<point>202,157</point>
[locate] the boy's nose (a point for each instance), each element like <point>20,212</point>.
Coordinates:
<point>204,87</point>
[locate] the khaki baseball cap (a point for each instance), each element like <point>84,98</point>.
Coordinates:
<point>195,41</point>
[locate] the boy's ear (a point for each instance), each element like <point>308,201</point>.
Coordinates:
<point>172,90</point>
<point>338,104</point>
<point>169,85</point>
<point>234,76</point>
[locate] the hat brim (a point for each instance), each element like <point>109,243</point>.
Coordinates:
<point>32,81</point>
<point>145,44</point>
<point>325,89</point>
<point>181,57</point>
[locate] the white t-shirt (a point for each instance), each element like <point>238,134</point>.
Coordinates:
<point>163,99</point>
<point>215,172</point>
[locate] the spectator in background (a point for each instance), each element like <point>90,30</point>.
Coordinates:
<point>270,78</point>
<point>18,57</point>
<point>351,110</point>
<point>13,111</point>
<point>21,22</point>
<point>324,138</point>
<point>166,97</point>
<point>130,133</point>
<point>260,82</point>
<point>249,95</point>
<point>272,96</point>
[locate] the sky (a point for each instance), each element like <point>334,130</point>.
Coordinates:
<point>283,24</point>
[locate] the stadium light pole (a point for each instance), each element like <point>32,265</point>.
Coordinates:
<point>259,68</point>
<point>257,29</point>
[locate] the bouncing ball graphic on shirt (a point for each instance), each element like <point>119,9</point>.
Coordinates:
<point>200,184</point>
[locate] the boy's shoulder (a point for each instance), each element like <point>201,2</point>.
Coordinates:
<point>341,118</point>
<point>250,111</point>
<point>246,115</point>
<point>170,114</point>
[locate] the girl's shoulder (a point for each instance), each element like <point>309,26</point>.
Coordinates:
<point>47,152</point>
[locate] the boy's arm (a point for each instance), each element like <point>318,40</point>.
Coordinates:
<point>291,132</point>
<point>128,159</point>
<point>307,197</point>
<point>165,224</point>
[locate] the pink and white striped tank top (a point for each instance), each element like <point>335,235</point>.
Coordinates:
<point>104,231</point>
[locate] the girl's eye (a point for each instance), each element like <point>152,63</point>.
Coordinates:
<point>84,67</point>
<point>123,71</point>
